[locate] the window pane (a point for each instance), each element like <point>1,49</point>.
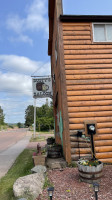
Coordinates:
<point>109,32</point>
<point>99,32</point>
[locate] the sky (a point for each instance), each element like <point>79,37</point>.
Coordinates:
<point>24,48</point>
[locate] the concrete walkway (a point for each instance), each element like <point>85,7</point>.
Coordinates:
<point>8,156</point>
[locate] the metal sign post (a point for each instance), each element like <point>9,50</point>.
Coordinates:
<point>34,134</point>
<point>42,88</point>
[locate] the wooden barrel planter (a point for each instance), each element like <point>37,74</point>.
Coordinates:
<point>54,151</point>
<point>90,174</point>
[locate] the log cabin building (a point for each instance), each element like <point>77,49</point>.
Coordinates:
<point>80,48</point>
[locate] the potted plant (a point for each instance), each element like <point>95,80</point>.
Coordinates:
<point>50,140</point>
<point>39,156</point>
<point>90,170</point>
<point>54,151</point>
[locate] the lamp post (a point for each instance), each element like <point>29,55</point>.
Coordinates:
<point>96,189</point>
<point>50,192</point>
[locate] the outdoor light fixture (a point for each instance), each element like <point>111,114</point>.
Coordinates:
<point>50,192</point>
<point>96,189</point>
<point>91,130</point>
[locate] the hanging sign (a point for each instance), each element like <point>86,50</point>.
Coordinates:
<point>42,87</point>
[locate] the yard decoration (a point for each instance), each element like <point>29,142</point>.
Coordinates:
<point>39,156</point>
<point>50,140</point>
<point>54,151</point>
<point>50,192</point>
<point>96,190</point>
<point>38,149</point>
<point>90,171</point>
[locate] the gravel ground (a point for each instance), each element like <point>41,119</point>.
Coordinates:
<point>68,186</point>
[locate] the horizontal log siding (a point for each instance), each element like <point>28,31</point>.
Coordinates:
<point>89,88</point>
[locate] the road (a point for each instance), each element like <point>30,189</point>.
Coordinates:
<point>12,143</point>
<point>11,137</point>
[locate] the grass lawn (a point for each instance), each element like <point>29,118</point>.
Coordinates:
<point>40,136</point>
<point>21,167</point>
<point>43,132</point>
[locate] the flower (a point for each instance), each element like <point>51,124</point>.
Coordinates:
<point>92,162</point>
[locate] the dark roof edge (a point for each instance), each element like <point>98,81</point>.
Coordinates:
<point>86,18</point>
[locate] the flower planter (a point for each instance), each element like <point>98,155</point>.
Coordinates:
<point>90,174</point>
<point>54,151</point>
<point>50,141</point>
<point>39,160</point>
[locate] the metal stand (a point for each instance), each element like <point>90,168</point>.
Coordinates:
<point>93,151</point>
<point>96,196</point>
<point>79,134</point>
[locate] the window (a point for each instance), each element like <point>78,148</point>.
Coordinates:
<point>102,32</point>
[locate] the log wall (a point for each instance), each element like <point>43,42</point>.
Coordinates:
<point>59,84</point>
<point>88,68</point>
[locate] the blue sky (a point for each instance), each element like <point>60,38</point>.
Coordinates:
<point>87,7</point>
<point>24,46</point>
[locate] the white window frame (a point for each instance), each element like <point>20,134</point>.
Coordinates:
<point>98,23</point>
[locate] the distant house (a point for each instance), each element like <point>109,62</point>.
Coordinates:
<point>81,64</point>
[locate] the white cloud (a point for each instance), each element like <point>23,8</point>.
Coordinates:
<point>22,38</point>
<point>16,87</point>
<point>23,64</point>
<point>35,20</point>
<point>15,23</point>
<point>16,84</point>
<point>14,110</point>
<point>19,83</point>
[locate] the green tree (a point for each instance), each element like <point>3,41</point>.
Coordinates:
<point>20,125</point>
<point>29,115</point>
<point>2,116</point>
<point>44,117</point>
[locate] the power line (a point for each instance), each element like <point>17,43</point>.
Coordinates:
<point>8,70</point>
<point>14,101</point>
<point>42,76</point>
<point>8,91</point>
<point>22,100</point>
